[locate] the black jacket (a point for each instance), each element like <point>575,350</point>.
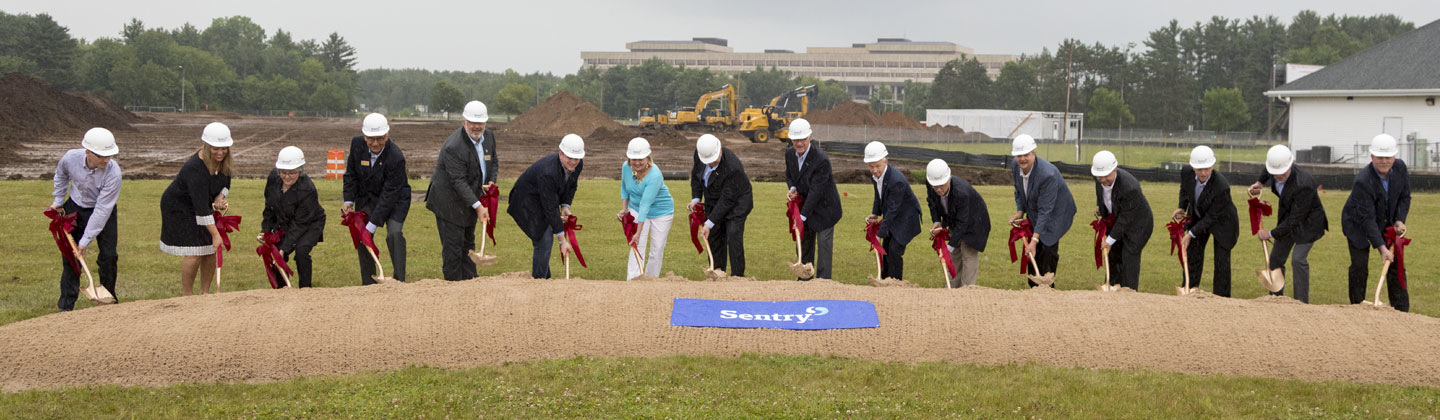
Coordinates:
<point>967,218</point>
<point>898,207</point>
<point>1300,216</point>
<point>458,181</point>
<point>1133,221</point>
<point>537,195</point>
<point>381,191</point>
<point>816,183</point>
<point>1214,213</point>
<point>297,212</point>
<point>1369,210</point>
<point>728,194</point>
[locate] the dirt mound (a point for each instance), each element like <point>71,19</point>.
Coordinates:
<point>847,113</point>
<point>561,114</point>
<point>894,119</point>
<point>31,109</point>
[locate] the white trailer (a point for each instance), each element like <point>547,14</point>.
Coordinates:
<point>999,123</point>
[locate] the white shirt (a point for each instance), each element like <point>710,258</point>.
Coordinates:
<point>879,184</point>
<point>1025,182</point>
<point>1109,206</point>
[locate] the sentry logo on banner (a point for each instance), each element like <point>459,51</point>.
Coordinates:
<point>791,315</point>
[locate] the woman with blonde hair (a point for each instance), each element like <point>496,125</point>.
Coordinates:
<point>644,196</point>
<point>189,204</point>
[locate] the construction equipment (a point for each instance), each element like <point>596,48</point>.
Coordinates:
<point>650,120</point>
<point>701,116</point>
<point>770,121</point>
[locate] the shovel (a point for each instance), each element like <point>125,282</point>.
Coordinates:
<point>1272,280</point>
<point>380,270</point>
<point>879,267</point>
<point>566,257</point>
<point>481,258</point>
<point>1047,279</point>
<point>1185,265</point>
<point>944,272</point>
<point>710,272</point>
<point>1107,287</point>
<point>283,276</point>
<point>804,270</point>
<point>98,295</point>
<point>1384,269</point>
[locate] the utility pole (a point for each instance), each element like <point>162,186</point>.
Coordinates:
<point>182,88</point>
<point>1065,125</point>
<point>1270,101</point>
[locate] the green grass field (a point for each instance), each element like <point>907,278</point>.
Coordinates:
<point>1140,156</point>
<point>698,387</point>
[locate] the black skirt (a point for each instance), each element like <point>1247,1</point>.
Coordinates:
<point>185,209</point>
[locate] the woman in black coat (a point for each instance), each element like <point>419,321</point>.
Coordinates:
<point>189,205</point>
<point>292,207</point>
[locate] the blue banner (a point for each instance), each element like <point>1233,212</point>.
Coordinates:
<point>791,315</point>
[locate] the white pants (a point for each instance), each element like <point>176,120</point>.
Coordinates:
<point>652,232</point>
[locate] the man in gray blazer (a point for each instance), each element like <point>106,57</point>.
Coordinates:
<point>1041,194</point>
<point>466,166</point>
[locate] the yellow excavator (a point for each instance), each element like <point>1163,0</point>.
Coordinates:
<point>649,120</point>
<point>721,118</point>
<point>761,124</point>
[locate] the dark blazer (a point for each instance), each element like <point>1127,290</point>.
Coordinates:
<point>458,182</point>
<point>381,191</point>
<point>898,207</point>
<point>537,195</point>
<point>297,212</point>
<point>1301,216</point>
<point>816,183</point>
<point>967,218</point>
<point>1214,212</point>
<point>1049,204</point>
<point>1369,210</point>
<point>1133,221</point>
<point>728,195</point>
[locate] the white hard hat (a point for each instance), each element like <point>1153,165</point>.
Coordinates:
<point>475,112</point>
<point>217,135</point>
<point>639,148</point>
<point>375,125</point>
<point>1383,146</point>
<point>1103,164</point>
<point>1022,144</point>
<point>291,157</point>
<point>100,141</point>
<point>875,151</point>
<point>708,147</point>
<point>1201,157</point>
<point>937,172</point>
<point>799,129</point>
<point>1278,159</point>
<point>571,145</point>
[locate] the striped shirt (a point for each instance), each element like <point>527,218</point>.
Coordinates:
<point>97,189</point>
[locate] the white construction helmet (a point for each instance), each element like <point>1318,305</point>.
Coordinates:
<point>100,142</point>
<point>217,135</point>
<point>291,157</point>
<point>1201,157</point>
<point>1383,146</point>
<point>799,129</point>
<point>937,173</point>
<point>1103,164</point>
<point>375,125</point>
<point>639,148</point>
<point>571,145</point>
<point>1278,159</point>
<point>875,151</point>
<point>476,112</point>
<point>1022,144</point>
<point>708,147</point>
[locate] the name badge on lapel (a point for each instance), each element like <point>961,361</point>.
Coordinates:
<point>364,163</point>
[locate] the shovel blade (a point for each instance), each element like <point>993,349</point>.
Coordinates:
<point>804,271</point>
<point>1045,280</point>
<point>385,280</point>
<point>1272,280</point>
<point>99,295</point>
<point>485,260</point>
<point>712,274</point>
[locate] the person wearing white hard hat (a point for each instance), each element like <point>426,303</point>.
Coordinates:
<point>644,196</point>
<point>1041,195</point>
<point>1118,196</point>
<point>466,167</point>
<point>540,201</point>
<point>718,182</point>
<point>1205,201</point>
<point>956,207</point>
<point>377,183</point>
<point>87,183</point>
<point>189,204</point>
<point>1299,221</point>
<point>292,207</point>
<point>1379,200</point>
<point>895,208</point>
<point>808,174</point>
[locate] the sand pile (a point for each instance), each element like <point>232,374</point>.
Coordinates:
<point>561,114</point>
<point>30,109</point>
<point>847,113</point>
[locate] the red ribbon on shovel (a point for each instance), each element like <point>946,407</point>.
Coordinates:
<point>697,220</point>
<point>356,221</point>
<point>269,252</point>
<point>941,241</point>
<point>1177,230</point>
<point>1397,245</point>
<point>1102,228</point>
<point>792,212</point>
<point>225,224</point>
<point>872,234</point>
<point>628,225</point>
<point>571,225</point>
<point>491,200</point>
<point>1019,232</point>
<point>1258,209</point>
<point>60,227</point>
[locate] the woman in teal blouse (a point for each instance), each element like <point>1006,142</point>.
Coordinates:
<point>644,196</point>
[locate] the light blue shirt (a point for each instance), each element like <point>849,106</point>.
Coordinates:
<point>479,151</point>
<point>650,198</point>
<point>97,189</point>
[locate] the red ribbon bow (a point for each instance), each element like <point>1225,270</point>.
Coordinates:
<point>269,252</point>
<point>941,241</point>
<point>1019,232</point>
<point>792,212</point>
<point>1258,209</point>
<point>697,220</point>
<point>872,234</point>
<point>491,200</point>
<point>1102,228</point>
<point>356,221</point>
<point>1177,230</point>
<point>60,227</point>
<point>225,224</point>
<point>628,225</point>
<point>572,224</point>
<point>1397,245</point>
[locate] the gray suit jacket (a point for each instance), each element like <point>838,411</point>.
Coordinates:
<point>457,182</point>
<point>1049,204</point>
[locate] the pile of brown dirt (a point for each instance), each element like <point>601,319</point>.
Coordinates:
<point>894,119</point>
<point>561,114</point>
<point>847,113</point>
<point>30,109</point>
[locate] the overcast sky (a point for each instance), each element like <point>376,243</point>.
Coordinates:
<point>547,36</point>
